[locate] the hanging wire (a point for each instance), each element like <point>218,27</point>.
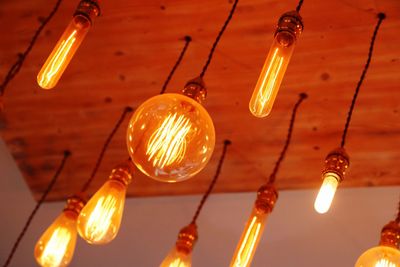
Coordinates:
<point>38,205</point>
<point>272,177</point>
<point>381,17</point>
<point>398,214</point>
<point>299,5</point>
<point>22,56</point>
<point>213,181</point>
<point>104,148</point>
<point>221,32</point>
<point>188,39</point>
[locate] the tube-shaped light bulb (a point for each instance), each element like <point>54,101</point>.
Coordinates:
<point>56,246</point>
<point>326,193</point>
<point>70,40</point>
<point>254,228</point>
<point>273,71</point>
<point>100,219</point>
<point>177,258</point>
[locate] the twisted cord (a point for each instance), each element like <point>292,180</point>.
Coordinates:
<point>299,5</point>
<point>104,148</point>
<point>21,57</point>
<point>213,181</point>
<point>272,177</point>
<point>398,214</point>
<point>221,32</point>
<point>381,17</point>
<point>188,39</point>
<point>38,205</point>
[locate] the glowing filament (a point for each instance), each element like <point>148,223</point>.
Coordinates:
<point>56,248</point>
<point>167,145</point>
<point>326,193</point>
<point>101,218</point>
<point>178,263</point>
<point>385,263</point>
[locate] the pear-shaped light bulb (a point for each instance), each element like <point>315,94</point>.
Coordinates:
<point>177,258</point>
<point>100,219</point>
<point>251,236</point>
<point>171,137</point>
<point>380,256</point>
<point>56,246</point>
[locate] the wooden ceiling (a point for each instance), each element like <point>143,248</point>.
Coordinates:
<point>129,52</point>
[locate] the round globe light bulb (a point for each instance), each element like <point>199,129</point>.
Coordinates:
<point>380,256</point>
<point>170,137</point>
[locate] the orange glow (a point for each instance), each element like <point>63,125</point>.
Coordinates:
<point>326,193</point>
<point>177,259</point>
<point>379,256</point>
<point>63,52</point>
<point>248,243</point>
<point>385,263</point>
<point>270,79</point>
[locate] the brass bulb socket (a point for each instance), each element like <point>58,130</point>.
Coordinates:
<point>390,235</point>
<point>187,238</point>
<point>337,161</point>
<point>123,172</point>
<point>266,198</point>
<point>75,204</point>
<point>289,28</point>
<point>196,89</point>
<point>89,9</point>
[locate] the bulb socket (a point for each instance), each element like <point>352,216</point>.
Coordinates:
<point>390,235</point>
<point>90,9</point>
<point>123,172</point>
<point>266,198</point>
<point>187,238</point>
<point>75,204</point>
<point>289,28</point>
<point>337,161</point>
<point>196,89</point>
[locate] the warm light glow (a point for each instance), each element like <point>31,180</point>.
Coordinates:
<point>177,259</point>
<point>326,193</point>
<point>380,256</point>
<point>270,79</point>
<point>56,246</point>
<point>167,145</point>
<point>248,243</point>
<point>170,137</point>
<point>100,219</point>
<point>63,52</point>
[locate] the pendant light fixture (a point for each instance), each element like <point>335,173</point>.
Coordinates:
<point>171,137</point>
<point>181,253</point>
<point>387,254</point>
<point>338,161</point>
<point>67,45</point>
<point>263,206</point>
<point>289,28</point>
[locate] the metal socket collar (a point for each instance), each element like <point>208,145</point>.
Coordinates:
<point>123,172</point>
<point>187,238</point>
<point>89,9</point>
<point>337,161</point>
<point>266,198</point>
<point>195,89</point>
<point>289,28</point>
<point>75,204</point>
<point>390,235</point>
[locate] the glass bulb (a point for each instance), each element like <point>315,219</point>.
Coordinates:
<point>250,238</point>
<point>170,137</point>
<point>380,256</point>
<point>56,246</point>
<point>327,192</point>
<point>100,219</point>
<point>177,258</point>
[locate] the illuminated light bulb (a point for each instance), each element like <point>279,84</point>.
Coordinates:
<point>100,219</point>
<point>387,254</point>
<point>336,164</point>
<point>171,137</point>
<point>251,236</point>
<point>57,62</point>
<point>181,254</point>
<point>289,28</point>
<point>56,246</point>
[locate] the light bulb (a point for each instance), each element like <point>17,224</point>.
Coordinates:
<point>171,137</point>
<point>251,236</point>
<point>380,256</point>
<point>70,40</point>
<point>56,246</point>
<point>289,28</point>
<point>100,219</point>
<point>336,164</point>
<point>181,254</point>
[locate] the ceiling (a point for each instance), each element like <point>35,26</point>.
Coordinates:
<point>108,74</point>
